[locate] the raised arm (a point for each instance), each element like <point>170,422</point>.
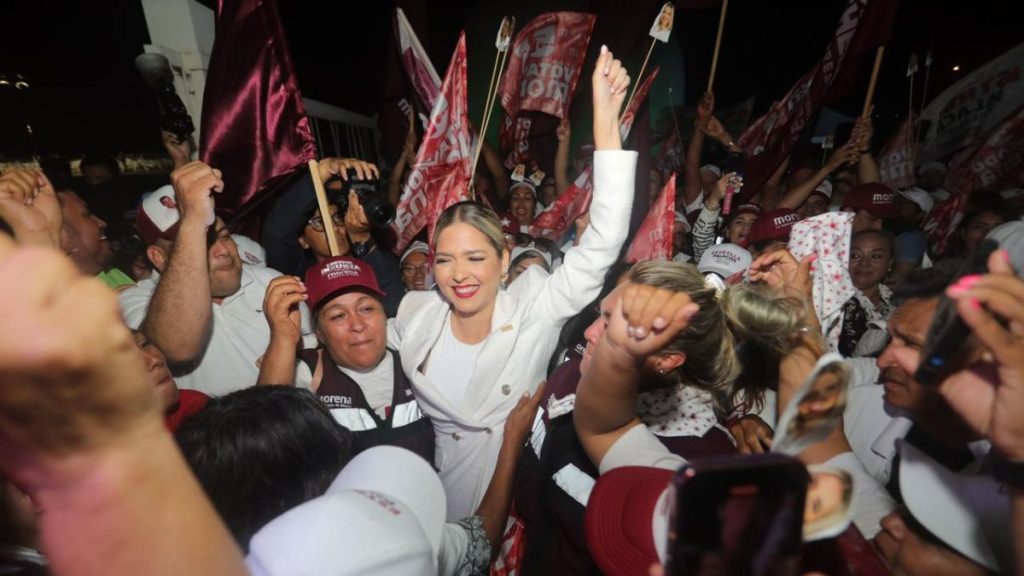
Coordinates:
<point>867,167</point>
<point>580,278</point>
<point>693,151</point>
<point>179,319</point>
<point>83,436</point>
<point>643,321</point>
<point>564,135</point>
<point>495,166</point>
<point>29,205</point>
<point>398,170</point>
<point>795,197</point>
<point>281,307</point>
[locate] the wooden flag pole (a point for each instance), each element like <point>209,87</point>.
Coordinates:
<point>492,96</point>
<point>924,95</point>
<point>636,83</point>
<point>874,80</point>
<point>718,46</point>
<point>325,209</point>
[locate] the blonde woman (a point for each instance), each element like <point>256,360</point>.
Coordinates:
<point>471,348</point>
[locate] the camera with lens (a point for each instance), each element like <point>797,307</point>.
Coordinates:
<point>379,212</point>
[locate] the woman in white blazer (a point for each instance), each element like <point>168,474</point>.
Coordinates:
<point>472,348</point>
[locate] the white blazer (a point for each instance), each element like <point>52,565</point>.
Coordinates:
<point>528,317</point>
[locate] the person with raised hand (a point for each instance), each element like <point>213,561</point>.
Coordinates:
<point>472,347</point>
<point>81,432</point>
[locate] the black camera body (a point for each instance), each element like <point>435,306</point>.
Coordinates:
<point>379,212</point>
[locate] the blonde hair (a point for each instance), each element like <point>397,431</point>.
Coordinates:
<point>767,327</point>
<point>711,362</point>
<point>476,215</point>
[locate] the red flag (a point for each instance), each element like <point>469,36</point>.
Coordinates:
<point>771,138</point>
<point>653,240</point>
<point>441,170</point>
<point>997,162</point>
<point>543,70</point>
<point>896,161</point>
<point>418,68</point>
<point>969,110</point>
<point>254,125</point>
<point>554,221</point>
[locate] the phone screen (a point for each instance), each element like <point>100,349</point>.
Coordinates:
<point>738,516</point>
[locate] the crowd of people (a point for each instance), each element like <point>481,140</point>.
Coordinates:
<point>197,402</point>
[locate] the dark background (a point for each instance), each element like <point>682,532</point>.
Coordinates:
<point>86,95</point>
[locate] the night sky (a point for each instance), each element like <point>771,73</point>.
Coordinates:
<point>86,94</point>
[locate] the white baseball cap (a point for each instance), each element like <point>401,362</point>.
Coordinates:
<point>920,197</point>
<point>415,247</point>
<point>969,513</point>
<point>383,515</point>
<point>724,260</point>
<point>824,189</point>
<point>713,169</point>
<point>531,249</point>
<point>1011,193</point>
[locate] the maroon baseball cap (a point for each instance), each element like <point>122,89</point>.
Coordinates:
<point>774,225</point>
<point>627,517</point>
<point>158,216</point>
<point>876,198</point>
<point>336,274</point>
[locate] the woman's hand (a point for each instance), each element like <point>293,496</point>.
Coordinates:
<point>610,83</point>
<point>646,319</point>
<point>784,274</point>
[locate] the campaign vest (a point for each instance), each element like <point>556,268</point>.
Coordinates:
<point>405,426</point>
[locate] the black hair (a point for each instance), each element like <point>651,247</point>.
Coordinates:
<point>928,282</point>
<point>885,235</point>
<point>261,451</point>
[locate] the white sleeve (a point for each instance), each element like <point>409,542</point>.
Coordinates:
<point>638,447</point>
<point>303,376</point>
<point>134,304</point>
<point>454,541</point>
<point>580,278</point>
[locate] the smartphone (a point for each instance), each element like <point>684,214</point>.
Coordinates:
<point>948,332</point>
<point>733,162</point>
<point>737,516</point>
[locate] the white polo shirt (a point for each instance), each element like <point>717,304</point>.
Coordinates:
<point>239,337</point>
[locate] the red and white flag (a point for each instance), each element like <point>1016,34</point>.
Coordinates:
<point>996,162</point>
<point>543,70</point>
<point>555,220</point>
<point>653,240</point>
<point>440,174</point>
<point>864,25</point>
<point>896,161</point>
<point>966,112</point>
<point>418,68</point>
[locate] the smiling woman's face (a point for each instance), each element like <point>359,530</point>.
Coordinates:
<point>467,269</point>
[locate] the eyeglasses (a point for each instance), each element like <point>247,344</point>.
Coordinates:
<point>318,223</point>
<point>410,269</point>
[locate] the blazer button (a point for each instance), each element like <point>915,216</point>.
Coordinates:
<point>506,389</point>
<point>456,436</point>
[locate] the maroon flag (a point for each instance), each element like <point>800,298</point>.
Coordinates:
<point>997,162</point>
<point>896,161</point>
<point>440,174</point>
<point>555,220</point>
<point>543,70</point>
<point>653,240</point>
<point>418,68</point>
<point>863,25</point>
<point>254,126</point>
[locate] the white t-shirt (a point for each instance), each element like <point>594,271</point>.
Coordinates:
<point>377,383</point>
<point>239,337</point>
<point>451,365</point>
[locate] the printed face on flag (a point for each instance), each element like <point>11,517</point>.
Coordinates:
<point>508,26</point>
<point>662,27</point>
<point>519,173</point>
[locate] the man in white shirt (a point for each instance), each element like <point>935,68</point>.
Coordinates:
<point>203,307</point>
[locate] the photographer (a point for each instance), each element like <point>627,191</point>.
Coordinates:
<point>295,236</point>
